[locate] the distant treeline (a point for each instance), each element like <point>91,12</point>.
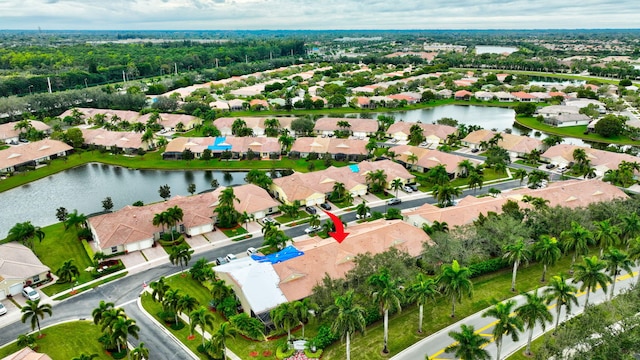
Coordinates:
<point>26,68</point>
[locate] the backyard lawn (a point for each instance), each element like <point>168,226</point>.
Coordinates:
<point>66,341</point>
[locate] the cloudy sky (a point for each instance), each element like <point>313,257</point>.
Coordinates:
<point>316,14</point>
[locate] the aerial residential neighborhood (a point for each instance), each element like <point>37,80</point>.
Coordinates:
<point>324,194</point>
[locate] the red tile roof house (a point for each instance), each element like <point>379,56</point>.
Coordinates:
<point>258,104</point>
<point>313,188</point>
<point>170,121</point>
<point>435,134</point>
<point>601,160</point>
<point>400,97</point>
<point>340,149</point>
<point>463,95</point>
<point>363,102</point>
<point>265,147</point>
<point>19,266</point>
<point>359,127</point>
<point>9,134</point>
<point>570,193</point>
<point>89,113</point>
<point>32,154</point>
<point>525,97</point>
<point>256,124</point>
<point>516,145</point>
<point>262,286</point>
<point>428,159</point>
<point>131,228</point>
<point>129,142</point>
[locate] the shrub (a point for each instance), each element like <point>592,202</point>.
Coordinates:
<point>119,355</point>
<point>87,248</point>
<point>325,337</point>
<point>284,351</point>
<point>487,266</point>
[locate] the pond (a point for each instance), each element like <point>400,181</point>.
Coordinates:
<point>83,188</point>
<point>490,49</point>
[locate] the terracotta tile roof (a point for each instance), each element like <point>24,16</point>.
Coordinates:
<point>298,276</point>
<point>37,150</point>
<point>439,131</point>
<point>509,142</point>
<point>523,95</point>
<point>322,145</point>
<point>252,122</point>
<point>427,158</point>
<point>120,139</point>
<point>357,125</point>
<point>463,93</point>
<point>27,354</point>
<point>19,262</point>
<point>7,130</point>
<point>238,144</point>
<point>126,115</point>
<point>598,158</point>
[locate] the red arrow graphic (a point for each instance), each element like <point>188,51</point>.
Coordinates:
<point>339,234</point>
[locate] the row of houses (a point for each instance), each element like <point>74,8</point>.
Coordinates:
<point>32,154</point>
<point>10,135</point>
<point>169,122</point>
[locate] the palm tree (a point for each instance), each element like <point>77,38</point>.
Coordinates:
<point>305,310</point>
<point>186,304</point>
<point>606,234</point>
<point>203,318</point>
<point>170,302</point>
<point>591,275</point>
<point>396,184</point>
<point>506,324</point>
<point>174,216</point>
<point>159,288</point>
<point>180,255</point>
<point>99,312</point>
<point>24,233</point>
<point>468,345</point>
<point>75,220</point>
<point>532,313</point>
<point>140,352</point>
<point>547,251</point>
<point>387,293</point>
<point>454,281</point>
<point>475,181</point>
<point>577,239</point>
<point>34,311</point>
<point>285,316</point>
<point>314,220</point>
<point>563,294</point>
<point>349,318</point>
<point>520,174</point>
<point>219,290</point>
<point>337,193</point>
<point>412,158</point>
<point>160,219</point>
<point>444,194</point>
<point>517,253</point>
<point>362,209</point>
<point>225,331</point>
<point>634,254</point>
<point>121,328</point>
<point>109,317</point>
<point>86,357</point>
<point>26,340</point>
<point>245,217</point>
<point>376,180</point>
<point>617,260</point>
<point>630,228</point>
<point>422,290</point>
<point>68,271</point>
<point>465,167</point>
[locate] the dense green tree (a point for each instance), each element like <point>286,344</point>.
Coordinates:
<point>454,281</point>
<point>180,255</point>
<point>25,233</point>
<point>285,316</point>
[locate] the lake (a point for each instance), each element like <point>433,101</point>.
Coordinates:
<point>83,188</point>
<point>490,49</point>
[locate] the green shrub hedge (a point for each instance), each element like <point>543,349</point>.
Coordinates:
<point>167,243</point>
<point>88,248</point>
<point>488,266</point>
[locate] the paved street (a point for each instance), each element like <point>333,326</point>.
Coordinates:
<point>435,344</point>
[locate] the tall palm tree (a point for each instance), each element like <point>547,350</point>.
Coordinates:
<point>285,316</point>
<point>396,184</point>
<point>170,302</point>
<point>617,260</point>
<point>362,209</point>
<point>563,293</point>
<point>67,271</point>
<point>160,219</point>
<point>520,174</point>
<point>99,312</point>
<point>506,324</point>
<point>174,216</point>
<point>577,239</point>
<point>219,290</point>
<point>532,313</point>
<point>468,345</point>
<point>475,181</point>
<point>121,328</point>
<point>422,290</point>
<point>630,228</point>
<point>338,191</point>
<point>454,281</point>
<point>349,318</point>
<point>547,251</point>
<point>634,254</point>
<point>465,167</point>
<point>445,193</point>
<point>591,275</point>
<point>159,288</point>
<point>202,318</point>
<point>180,255</point>
<point>75,220</point>
<point>305,310</point>
<point>109,317</point>
<point>187,304</point>
<point>517,253</point>
<point>314,220</point>
<point>34,311</point>
<point>387,293</point>
<point>606,234</point>
<point>24,233</point>
<point>412,158</point>
<point>245,217</point>
<point>225,331</point>
<point>140,352</point>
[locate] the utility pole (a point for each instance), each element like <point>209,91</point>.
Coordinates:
<point>270,55</point>
<point>49,84</point>
<point>175,67</point>
<point>216,62</point>
<point>124,77</point>
<point>246,59</point>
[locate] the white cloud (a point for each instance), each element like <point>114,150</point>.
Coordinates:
<point>307,14</point>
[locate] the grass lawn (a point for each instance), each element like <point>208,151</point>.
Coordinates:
<point>58,246</point>
<point>239,230</point>
<point>66,341</point>
<point>403,326</point>
<point>573,131</point>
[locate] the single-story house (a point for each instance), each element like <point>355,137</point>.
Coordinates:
<point>483,95</point>
<point>358,127</point>
<point>340,149</point>
<point>10,135</point>
<point>32,154</point>
<point>428,159</point>
<point>434,133</point>
<point>525,97</point>
<point>265,284</point>
<point>463,95</point>
<point>27,354</point>
<point>265,147</point>
<point>256,124</point>
<point>128,141</point>
<point>20,267</point>
<point>601,160</point>
<point>563,120</point>
<point>516,145</point>
<point>170,122</point>
<point>504,96</point>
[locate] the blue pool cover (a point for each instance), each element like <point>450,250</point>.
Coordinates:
<point>354,168</point>
<point>219,145</point>
<point>285,254</point>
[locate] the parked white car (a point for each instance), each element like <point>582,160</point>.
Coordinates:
<point>3,309</point>
<point>30,294</point>
<point>312,229</point>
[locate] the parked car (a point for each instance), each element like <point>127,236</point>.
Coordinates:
<point>312,229</point>
<point>30,294</point>
<point>3,309</point>
<point>230,257</point>
<point>251,251</point>
<point>394,201</point>
<point>550,166</point>
<point>325,206</point>
<point>268,219</point>
<point>413,187</point>
<point>367,215</point>
<point>221,260</point>
<point>311,210</point>
<point>407,189</point>
<point>475,150</point>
